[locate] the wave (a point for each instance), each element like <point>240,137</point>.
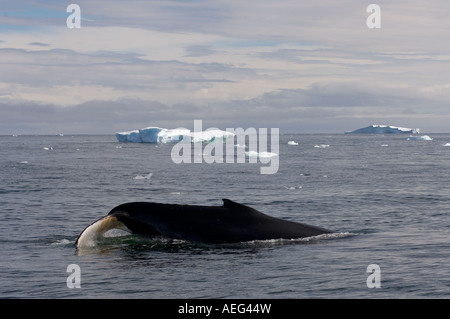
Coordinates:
<point>311,239</point>
<point>62,242</point>
<point>118,238</point>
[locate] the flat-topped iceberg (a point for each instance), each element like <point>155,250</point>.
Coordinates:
<point>384,129</point>
<point>158,135</point>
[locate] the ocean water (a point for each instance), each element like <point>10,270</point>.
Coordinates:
<point>387,199</point>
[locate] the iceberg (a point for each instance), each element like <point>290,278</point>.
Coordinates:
<point>148,176</point>
<point>292,143</point>
<point>172,136</point>
<point>255,154</point>
<point>149,134</point>
<point>209,136</point>
<point>419,138</point>
<point>158,135</point>
<point>130,136</point>
<point>384,129</point>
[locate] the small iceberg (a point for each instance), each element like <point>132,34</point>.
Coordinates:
<point>384,129</point>
<point>322,146</point>
<point>148,176</point>
<point>292,143</point>
<point>255,154</point>
<point>419,138</point>
<point>447,144</point>
<point>293,187</point>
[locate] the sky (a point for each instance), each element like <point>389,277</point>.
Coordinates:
<point>300,66</point>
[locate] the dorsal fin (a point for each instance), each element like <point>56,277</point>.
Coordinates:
<point>229,203</point>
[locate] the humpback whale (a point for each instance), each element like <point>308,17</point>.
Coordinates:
<point>230,223</point>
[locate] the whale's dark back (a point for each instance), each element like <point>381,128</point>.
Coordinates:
<point>232,222</point>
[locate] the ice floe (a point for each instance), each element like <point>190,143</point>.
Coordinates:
<point>260,154</point>
<point>148,176</point>
<point>321,146</point>
<point>419,138</point>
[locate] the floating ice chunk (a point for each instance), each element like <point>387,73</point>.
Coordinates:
<point>384,129</point>
<point>255,154</point>
<point>419,138</point>
<point>292,143</point>
<point>447,144</point>
<point>148,176</point>
<point>322,146</point>
<point>267,154</point>
<point>252,154</point>
<point>293,187</point>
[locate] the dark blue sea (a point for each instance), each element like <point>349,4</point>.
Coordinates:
<point>386,198</point>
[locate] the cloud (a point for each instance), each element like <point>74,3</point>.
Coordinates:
<point>199,51</point>
<point>290,64</point>
<point>331,108</point>
<point>39,44</point>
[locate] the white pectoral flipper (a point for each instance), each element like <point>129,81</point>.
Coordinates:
<point>95,231</point>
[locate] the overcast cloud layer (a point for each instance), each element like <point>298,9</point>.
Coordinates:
<point>301,66</point>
